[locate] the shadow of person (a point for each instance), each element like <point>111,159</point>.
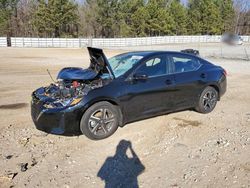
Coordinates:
<point>121,170</point>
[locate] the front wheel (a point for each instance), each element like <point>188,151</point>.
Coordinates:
<point>100,121</point>
<point>207,101</point>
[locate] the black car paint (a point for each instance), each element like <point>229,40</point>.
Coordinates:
<point>136,99</point>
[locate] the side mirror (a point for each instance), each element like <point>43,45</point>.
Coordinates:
<point>140,76</point>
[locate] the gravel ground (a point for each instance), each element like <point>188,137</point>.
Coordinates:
<point>183,149</point>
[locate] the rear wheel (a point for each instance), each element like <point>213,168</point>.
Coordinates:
<point>207,101</point>
<point>100,121</point>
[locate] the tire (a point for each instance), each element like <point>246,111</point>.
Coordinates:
<point>207,100</point>
<point>100,121</point>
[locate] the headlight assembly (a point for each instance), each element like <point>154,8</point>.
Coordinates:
<point>63,103</point>
<point>75,101</point>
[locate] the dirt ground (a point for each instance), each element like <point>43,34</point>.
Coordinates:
<point>184,149</point>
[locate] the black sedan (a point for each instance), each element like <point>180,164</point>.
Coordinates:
<point>125,88</point>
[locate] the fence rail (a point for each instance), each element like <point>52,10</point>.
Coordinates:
<point>109,42</point>
<point>3,41</point>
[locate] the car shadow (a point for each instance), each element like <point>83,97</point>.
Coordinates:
<point>121,170</point>
<point>157,115</point>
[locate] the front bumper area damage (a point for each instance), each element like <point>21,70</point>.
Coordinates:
<point>60,121</point>
<point>58,108</point>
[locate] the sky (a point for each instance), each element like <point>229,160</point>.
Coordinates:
<point>184,2</point>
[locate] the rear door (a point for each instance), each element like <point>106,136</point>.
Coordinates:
<point>188,79</point>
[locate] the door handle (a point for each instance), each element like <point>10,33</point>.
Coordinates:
<point>169,82</point>
<point>203,75</point>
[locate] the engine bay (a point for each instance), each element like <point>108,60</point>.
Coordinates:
<point>71,89</point>
<point>68,92</point>
<point>73,83</point>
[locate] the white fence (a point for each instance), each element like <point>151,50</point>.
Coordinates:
<point>109,42</point>
<point>3,41</point>
<point>49,42</point>
<point>148,41</point>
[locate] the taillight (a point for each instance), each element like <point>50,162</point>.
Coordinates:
<point>224,72</point>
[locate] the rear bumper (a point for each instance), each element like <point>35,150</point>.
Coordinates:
<point>223,85</point>
<point>56,121</point>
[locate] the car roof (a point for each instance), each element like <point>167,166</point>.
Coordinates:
<point>154,52</point>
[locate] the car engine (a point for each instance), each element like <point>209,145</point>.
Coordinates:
<point>71,89</point>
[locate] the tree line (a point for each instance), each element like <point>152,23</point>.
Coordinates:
<point>122,18</point>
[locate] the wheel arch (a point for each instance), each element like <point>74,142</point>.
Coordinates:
<point>216,87</point>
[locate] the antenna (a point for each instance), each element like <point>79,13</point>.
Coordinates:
<point>50,76</point>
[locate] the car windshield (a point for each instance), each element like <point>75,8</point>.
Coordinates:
<point>120,64</point>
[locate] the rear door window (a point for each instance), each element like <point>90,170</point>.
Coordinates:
<point>183,63</point>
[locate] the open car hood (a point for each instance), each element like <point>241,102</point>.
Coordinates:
<point>98,64</point>
<point>98,61</point>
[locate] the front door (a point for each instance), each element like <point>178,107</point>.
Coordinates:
<point>151,95</point>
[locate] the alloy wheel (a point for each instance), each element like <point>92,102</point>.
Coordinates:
<point>101,121</point>
<point>209,100</point>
